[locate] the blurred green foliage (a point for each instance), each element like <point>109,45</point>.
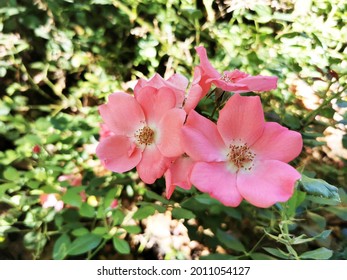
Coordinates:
<point>60,59</point>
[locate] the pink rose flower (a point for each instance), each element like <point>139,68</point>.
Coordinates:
<point>104,132</point>
<point>74,180</point>
<point>177,83</point>
<point>235,81</point>
<point>146,132</point>
<point>36,149</point>
<point>242,157</point>
<point>178,175</point>
<point>114,204</point>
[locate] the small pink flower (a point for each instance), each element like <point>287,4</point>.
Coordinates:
<point>146,132</point>
<point>114,204</point>
<point>74,180</point>
<point>51,200</point>
<point>177,83</point>
<point>235,81</point>
<point>242,157</point>
<point>178,175</point>
<point>36,149</point>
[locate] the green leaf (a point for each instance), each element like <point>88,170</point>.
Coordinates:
<point>11,174</point>
<point>261,256</point>
<point>192,204</point>
<point>100,231</point>
<point>206,199</point>
<point>144,212</point>
<point>152,195</point>
<point>230,241</point>
<point>102,2</point>
<point>6,186</point>
<point>317,219</point>
<point>121,245</point>
<point>118,217</point>
<point>83,244</point>
<point>87,211</point>
<point>132,229</point>
<point>61,246</point>
<point>277,252</point>
<point>180,213</point>
<point>34,240</point>
<point>341,212</point>
<point>294,202</point>
<point>319,191</point>
<point>73,197</point>
<point>318,254</point>
<point>80,231</point>
<point>232,212</point>
<point>344,141</point>
<point>304,239</point>
<point>218,257</point>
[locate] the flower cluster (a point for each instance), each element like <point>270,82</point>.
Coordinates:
<point>241,156</point>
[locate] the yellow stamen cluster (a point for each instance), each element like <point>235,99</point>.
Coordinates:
<point>241,156</point>
<point>144,136</point>
<point>225,78</point>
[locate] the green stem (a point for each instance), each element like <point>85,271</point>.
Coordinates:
<point>92,254</point>
<point>256,245</point>
<point>311,116</point>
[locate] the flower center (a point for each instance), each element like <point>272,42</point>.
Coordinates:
<point>234,76</point>
<point>144,136</point>
<point>241,156</point>
<point>225,78</point>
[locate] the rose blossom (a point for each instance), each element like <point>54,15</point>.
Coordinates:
<point>242,157</point>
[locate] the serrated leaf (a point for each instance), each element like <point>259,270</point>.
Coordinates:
<point>121,245</point>
<point>84,244</point>
<point>144,212</point>
<point>180,213</point>
<point>318,254</point>
<point>319,191</point>
<point>61,247</point>
<point>230,241</point>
